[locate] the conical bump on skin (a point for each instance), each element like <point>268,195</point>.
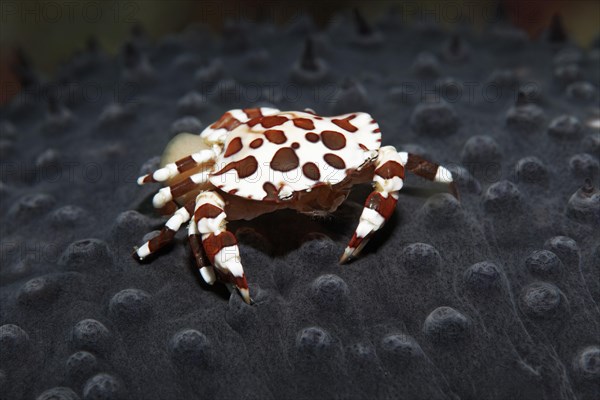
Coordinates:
<point>436,118</point>
<point>445,324</point>
<point>191,348</point>
<point>58,393</point>
<point>14,341</point>
<point>309,69</point>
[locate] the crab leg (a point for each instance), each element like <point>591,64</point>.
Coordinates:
<point>380,204</point>
<point>181,216</point>
<point>428,170</point>
<point>220,244</point>
<point>168,193</point>
<point>388,180</point>
<point>178,167</point>
<point>206,269</point>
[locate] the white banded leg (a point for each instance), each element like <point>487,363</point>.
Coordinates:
<point>428,170</point>
<point>388,180</point>
<point>168,193</point>
<point>173,169</point>
<point>381,203</point>
<point>206,269</point>
<point>220,245</point>
<point>181,216</point>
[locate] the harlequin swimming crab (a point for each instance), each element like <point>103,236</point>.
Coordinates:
<point>258,160</point>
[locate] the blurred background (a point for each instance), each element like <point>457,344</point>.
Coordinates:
<point>44,33</point>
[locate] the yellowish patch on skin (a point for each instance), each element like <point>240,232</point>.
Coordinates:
<point>182,145</point>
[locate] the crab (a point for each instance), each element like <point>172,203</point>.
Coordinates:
<point>258,160</point>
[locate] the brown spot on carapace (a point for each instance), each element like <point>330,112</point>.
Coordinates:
<point>252,112</point>
<point>256,143</point>
<point>390,169</point>
<point>334,161</point>
<point>233,191</point>
<point>311,171</point>
<point>333,140</point>
<point>295,145</point>
<point>275,136</point>
<point>207,211</point>
<point>226,121</point>
<point>233,147</point>
<point>362,146</point>
<point>312,137</point>
<point>420,166</point>
<point>345,123</point>
<point>254,121</point>
<point>273,120</point>
<point>214,243</point>
<point>385,206</point>
<point>271,191</point>
<point>285,159</point>
<point>304,123</point>
<point>245,167</point>
<point>376,130</point>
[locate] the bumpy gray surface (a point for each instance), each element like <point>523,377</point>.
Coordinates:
<point>492,297</point>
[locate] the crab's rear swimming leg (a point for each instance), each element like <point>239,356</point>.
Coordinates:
<point>388,180</point>
<point>220,245</point>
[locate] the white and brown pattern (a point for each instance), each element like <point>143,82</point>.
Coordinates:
<point>271,158</point>
<point>294,150</point>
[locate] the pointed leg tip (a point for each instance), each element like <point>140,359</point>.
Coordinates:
<point>135,255</point>
<point>245,293</point>
<point>347,256</point>
<point>454,190</point>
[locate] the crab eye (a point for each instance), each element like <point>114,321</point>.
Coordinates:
<point>371,155</point>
